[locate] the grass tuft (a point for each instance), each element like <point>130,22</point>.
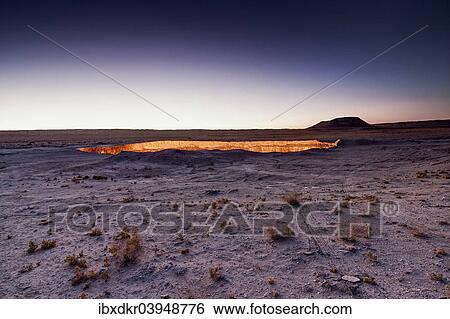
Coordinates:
<point>436,276</point>
<point>76,260</point>
<point>292,199</point>
<point>214,273</point>
<point>48,244</point>
<point>440,252</point>
<point>32,247</point>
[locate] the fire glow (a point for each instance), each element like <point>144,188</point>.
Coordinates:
<point>252,146</point>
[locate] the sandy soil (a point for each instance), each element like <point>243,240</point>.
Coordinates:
<point>407,166</point>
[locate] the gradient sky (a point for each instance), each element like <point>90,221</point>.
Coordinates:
<point>221,64</point>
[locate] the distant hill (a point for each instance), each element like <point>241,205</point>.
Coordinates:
<point>342,122</point>
<point>416,124</point>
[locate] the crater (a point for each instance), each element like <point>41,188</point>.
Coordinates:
<point>252,146</point>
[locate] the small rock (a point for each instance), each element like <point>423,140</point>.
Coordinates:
<point>352,279</point>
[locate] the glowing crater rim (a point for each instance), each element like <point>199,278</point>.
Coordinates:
<point>252,146</point>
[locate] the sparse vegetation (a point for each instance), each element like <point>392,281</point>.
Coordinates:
<point>372,257</point>
<point>292,199</point>
<point>128,199</point>
<point>368,280</point>
<point>95,232</point>
<point>185,251</point>
<point>440,252</point>
<point>278,233</point>
<point>82,276</point>
<point>132,249</point>
<point>104,275</point>
<point>47,244</point>
<point>128,250</point>
<point>32,247</point>
<point>419,232</point>
<point>123,234</point>
<point>436,276</point>
<point>26,268</point>
<point>76,260</point>
<point>371,198</point>
<point>422,174</point>
<point>271,281</point>
<point>214,273</point>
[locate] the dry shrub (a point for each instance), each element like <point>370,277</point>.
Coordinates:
<point>214,273</point>
<point>26,268</point>
<point>372,257</point>
<point>76,260</point>
<point>185,251</point>
<point>439,252</point>
<point>128,250</point>
<point>275,294</point>
<point>371,198</point>
<point>369,280</point>
<point>114,249</point>
<point>273,234</point>
<point>436,276</point>
<point>104,275</point>
<point>95,232</point>
<point>123,234</point>
<point>132,249</point>
<point>292,199</point>
<point>32,247</point>
<point>106,263</point>
<point>48,244</point>
<point>82,296</point>
<point>82,276</point>
<point>419,232</point>
<point>279,232</point>
<point>422,174</point>
<point>271,281</point>
<point>45,244</point>
<point>128,199</point>
<point>180,236</point>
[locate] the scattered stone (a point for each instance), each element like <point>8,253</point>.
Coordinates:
<point>351,279</point>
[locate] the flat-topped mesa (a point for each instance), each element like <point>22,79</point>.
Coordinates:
<point>349,122</point>
<point>253,146</point>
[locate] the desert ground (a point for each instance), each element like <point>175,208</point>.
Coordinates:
<point>42,258</point>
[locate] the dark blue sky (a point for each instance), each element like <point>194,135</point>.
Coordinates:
<point>221,64</point>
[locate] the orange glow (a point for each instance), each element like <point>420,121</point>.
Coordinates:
<point>253,146</point>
